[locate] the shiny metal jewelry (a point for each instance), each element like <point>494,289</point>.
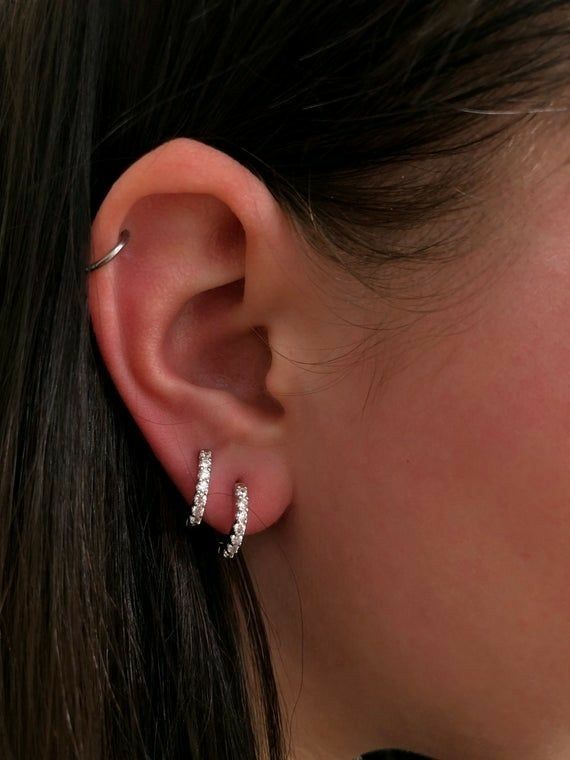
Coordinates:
<point>231,547</point>
<point>202,486</point>
<point>123,240</point>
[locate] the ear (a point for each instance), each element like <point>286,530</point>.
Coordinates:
<point>176,317</point>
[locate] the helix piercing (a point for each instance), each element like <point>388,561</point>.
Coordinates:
<point>123,240</point>
<point>202,486</point>
<point>230,547</point>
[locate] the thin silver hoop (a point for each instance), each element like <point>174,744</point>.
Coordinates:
<point>231,546</point>
<point>202,487</point>
<point>123,240</point>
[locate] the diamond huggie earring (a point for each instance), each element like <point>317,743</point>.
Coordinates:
<point>202,486</point>
<point>231,546</point>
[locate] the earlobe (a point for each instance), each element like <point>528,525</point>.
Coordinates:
<point>173,318</point>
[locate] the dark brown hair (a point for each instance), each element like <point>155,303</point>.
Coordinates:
<point>121,634</point>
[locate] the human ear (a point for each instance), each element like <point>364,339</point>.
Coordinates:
<point>179,318</point>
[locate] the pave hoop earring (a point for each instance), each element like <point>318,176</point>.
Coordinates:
<point>230,547</point>
<point>202,487</point>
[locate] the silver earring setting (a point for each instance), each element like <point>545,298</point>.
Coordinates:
<point>202,487</point>
<point>230,547</point>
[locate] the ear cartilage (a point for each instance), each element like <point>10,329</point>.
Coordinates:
<point>235,538</point>
<point>202,486</point>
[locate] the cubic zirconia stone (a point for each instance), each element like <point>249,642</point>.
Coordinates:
<point>238,530</point>
<point>202,485</point>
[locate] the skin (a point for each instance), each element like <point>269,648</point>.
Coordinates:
<point>410,497</point>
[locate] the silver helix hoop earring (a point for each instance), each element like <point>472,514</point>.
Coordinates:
<point>123,240</point>
<point>202,486</point>
<point>231,546</point>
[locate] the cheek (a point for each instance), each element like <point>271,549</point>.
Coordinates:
<point>446,501</point>
<point>474,435</point>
